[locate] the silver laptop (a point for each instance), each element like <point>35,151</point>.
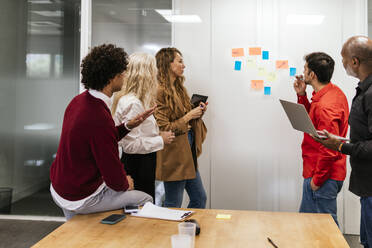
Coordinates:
<point>300,119</point>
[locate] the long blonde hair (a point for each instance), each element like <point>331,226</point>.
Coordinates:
<point>139,79</point>
<point>175,97</point>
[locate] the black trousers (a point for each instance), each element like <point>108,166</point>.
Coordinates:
<point>141,167</point>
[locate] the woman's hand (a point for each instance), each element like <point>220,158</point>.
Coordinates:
<point>195,113</point>
<point>168,137</point>
<point>203,107</point>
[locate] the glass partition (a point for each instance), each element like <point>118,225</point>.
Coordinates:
<point>39,75</point>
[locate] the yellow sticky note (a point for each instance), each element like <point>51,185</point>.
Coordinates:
<point>261,71</point>
<point>223,216</point>
<point>255,51</point>
<point>251,63</point>
<point>271,77</point>
<point>237,52</point>
<point>257,84</point>
<point>282,64</point>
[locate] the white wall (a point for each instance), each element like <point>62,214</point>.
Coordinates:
<point>252,156</point>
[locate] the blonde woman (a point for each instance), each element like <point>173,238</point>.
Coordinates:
<point>140,145</point>
<point>177,163</point>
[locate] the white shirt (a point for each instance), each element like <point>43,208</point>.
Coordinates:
<point>143,139</point>
<point>73,205</point>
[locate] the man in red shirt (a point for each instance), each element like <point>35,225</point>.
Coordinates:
<point>324,170</point>
<point>87,175</point>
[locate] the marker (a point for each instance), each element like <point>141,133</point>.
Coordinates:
<point>272,243</point>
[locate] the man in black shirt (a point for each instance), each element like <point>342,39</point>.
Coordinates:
<point>357,60</point>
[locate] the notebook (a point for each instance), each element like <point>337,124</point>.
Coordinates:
<point>300,119</point>
<point>150,210</point>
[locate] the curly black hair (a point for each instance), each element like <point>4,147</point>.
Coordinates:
<point>101,65</point>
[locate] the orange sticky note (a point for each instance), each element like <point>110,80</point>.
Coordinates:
<point>255,51</point>
<point>282,64</point>
<point>237,52</point>
<point>257,84</point>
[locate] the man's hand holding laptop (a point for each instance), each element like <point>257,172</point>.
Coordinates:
<point>329,140</point>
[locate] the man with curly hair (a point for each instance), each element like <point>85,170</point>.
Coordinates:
<point>87,175</point>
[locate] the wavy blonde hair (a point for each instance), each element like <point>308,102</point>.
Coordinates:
<point>175,97</point>
<point>139,79</point>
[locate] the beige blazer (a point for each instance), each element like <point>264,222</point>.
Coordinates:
<point>175,161</point>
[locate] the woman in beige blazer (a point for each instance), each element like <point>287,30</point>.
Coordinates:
<point>177,163</point>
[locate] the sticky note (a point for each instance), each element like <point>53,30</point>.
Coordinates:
<point>223,216</point>
<point>271,76</point>
<point>261,71</point>
<point>238,65</point>
<point>251,63</point>
<point>237,52</point>
<point>265,55</point>
<point>292,71</point>
<point>282,64</point>
<point>267,90</point>
<point>255,51</point>
<point>257,84</point>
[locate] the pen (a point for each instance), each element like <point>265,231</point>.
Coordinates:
<point>272,243</point>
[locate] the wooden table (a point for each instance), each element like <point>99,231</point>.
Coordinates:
<point>244,229</point>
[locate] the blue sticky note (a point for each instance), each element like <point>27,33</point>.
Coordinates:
<point>292,71</point>
<point>265,55</point>
<point>267,90</point>
<point>238,65</point>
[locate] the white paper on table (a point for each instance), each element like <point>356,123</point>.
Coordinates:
<point>150,210</point>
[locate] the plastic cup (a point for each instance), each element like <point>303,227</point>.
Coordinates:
<point>181,241</point>
<point>188,228</point>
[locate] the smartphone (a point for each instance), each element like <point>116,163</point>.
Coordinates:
<point>112,219</point>
<point>131,209</point>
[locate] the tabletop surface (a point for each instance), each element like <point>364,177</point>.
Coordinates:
<point>243,229</point>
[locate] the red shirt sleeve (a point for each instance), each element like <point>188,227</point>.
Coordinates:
<point>328,118</point>
<point>304,101</point>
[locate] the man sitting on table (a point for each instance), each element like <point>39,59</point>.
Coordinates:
<point>324,170</point>
<point>87,175</point>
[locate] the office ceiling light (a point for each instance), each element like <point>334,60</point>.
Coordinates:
<point>47,13</point>
<point>305,19</point>
<point>39,126</point>
<point>152,47</point>
<point>40,1</point>
<point>44,24</point>
<point>175,18</point>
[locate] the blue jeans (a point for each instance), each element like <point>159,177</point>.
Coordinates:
<point>366,221</point>
<point>194,188</point>
<point>324,200</point>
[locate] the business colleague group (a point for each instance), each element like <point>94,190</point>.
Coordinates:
<point>160,134</point>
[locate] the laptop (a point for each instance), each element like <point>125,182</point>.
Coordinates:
<point>300,119</point>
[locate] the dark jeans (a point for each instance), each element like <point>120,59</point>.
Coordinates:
<point>324,200</point>
<point>366,221</point>
<point>194,188</point>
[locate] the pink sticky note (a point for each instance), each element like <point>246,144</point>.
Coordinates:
<point>282,64</point>
<point>257,84</point>
<point>237,52</point>
<point>255,51</point>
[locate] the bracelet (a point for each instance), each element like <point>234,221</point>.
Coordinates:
<point>340,147</point>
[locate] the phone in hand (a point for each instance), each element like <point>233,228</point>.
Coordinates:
<point>113,219</point>
<point>131,209</point>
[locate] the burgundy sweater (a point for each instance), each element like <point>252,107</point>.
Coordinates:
<point>88,150</point>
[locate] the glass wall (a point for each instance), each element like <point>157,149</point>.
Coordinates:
<point>39,75</point>
<point>134,25</point>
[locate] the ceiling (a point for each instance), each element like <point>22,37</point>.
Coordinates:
<point>129,11</point>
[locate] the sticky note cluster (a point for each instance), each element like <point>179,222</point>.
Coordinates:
<point>262,70</point>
